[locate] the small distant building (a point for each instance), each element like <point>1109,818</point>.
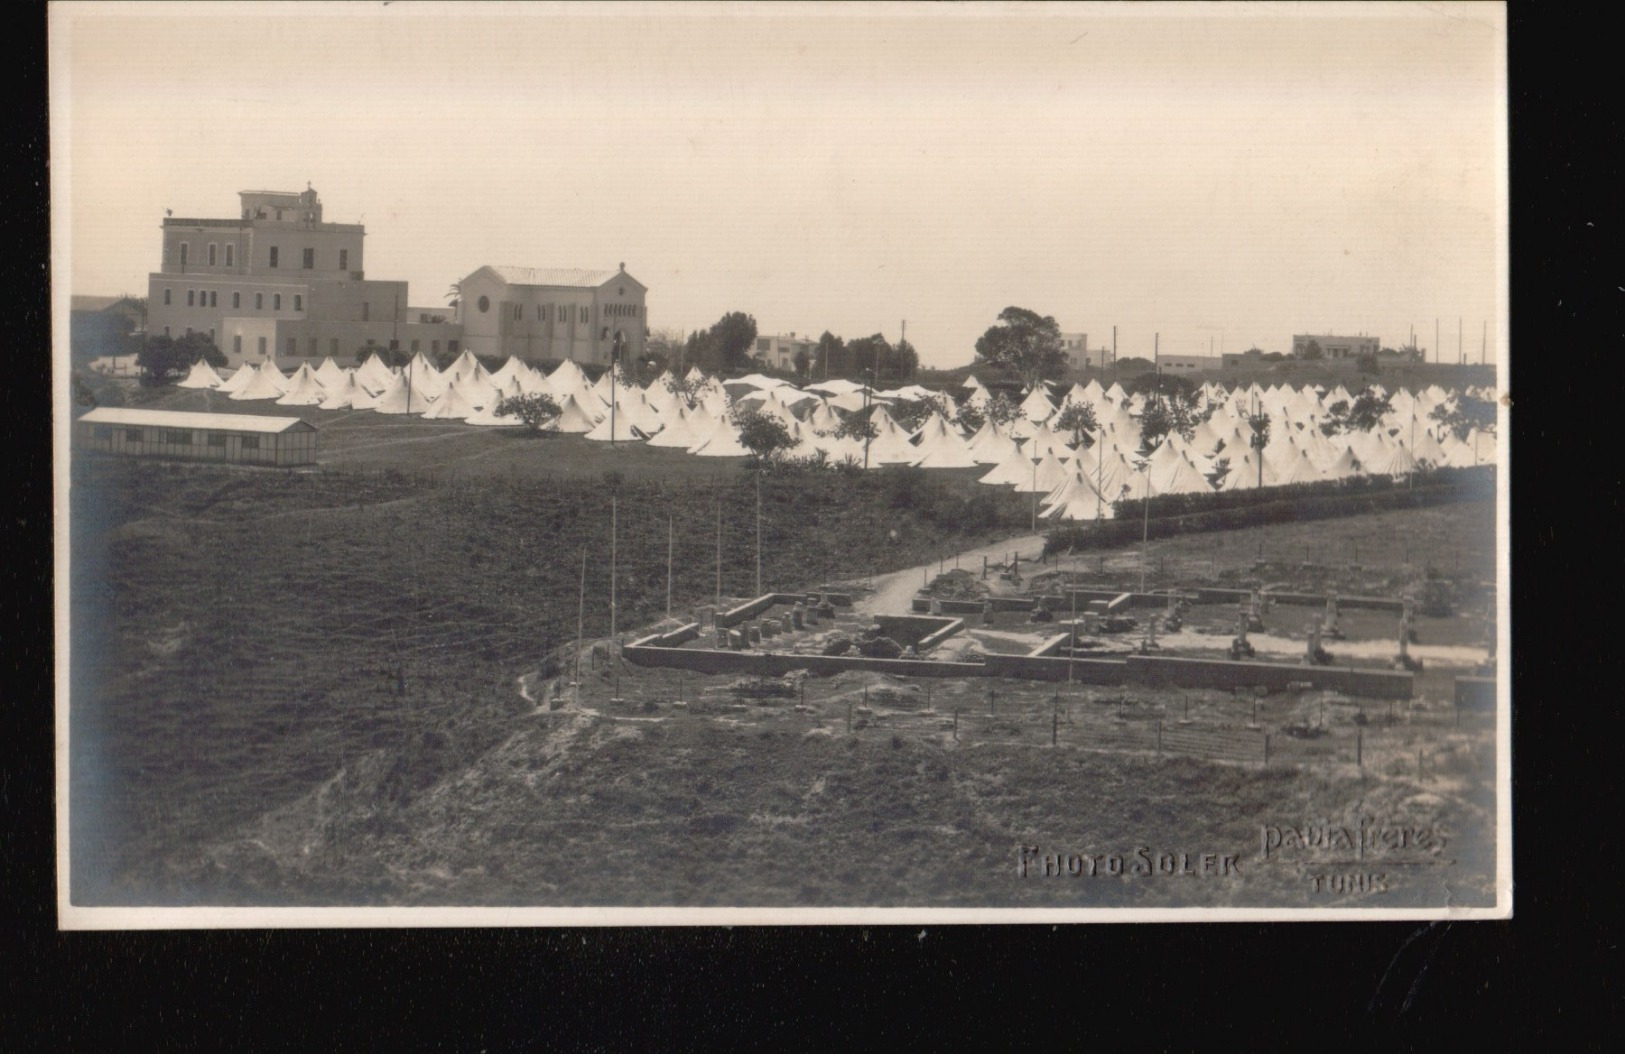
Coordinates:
<point>1075,347</point>
<point>1335,346</point>
<point>263,440</point>
<point>1181,364</point>
<point>779,350</point>
<point>1251,358</point>
<point>126,314</point>
<point>553,313</point>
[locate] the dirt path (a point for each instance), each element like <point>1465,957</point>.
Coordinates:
<point>894,592</point>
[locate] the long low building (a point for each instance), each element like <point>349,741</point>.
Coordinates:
<point>263,440</point>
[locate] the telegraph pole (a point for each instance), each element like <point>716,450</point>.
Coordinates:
<point>758,531</point>
<point>612,527</point>
<point>669,538</point>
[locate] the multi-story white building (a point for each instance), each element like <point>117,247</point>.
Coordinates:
<point>553,313</point>
<point>779,350</point>
<point>279,282</point>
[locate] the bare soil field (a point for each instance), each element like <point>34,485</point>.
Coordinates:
<point>351,685</point>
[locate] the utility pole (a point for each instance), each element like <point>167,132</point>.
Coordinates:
<point>1460,359</point>
<point>1484,342</point>
<point>1438,350</point>
<point>581,614</point>
<point>719,550</point>
<point>758,531</point>
<point>613,503</point>
<point>1145,524</point>
<point>670,532</point>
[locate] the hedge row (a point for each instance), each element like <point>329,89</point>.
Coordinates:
<point>1205,513</point>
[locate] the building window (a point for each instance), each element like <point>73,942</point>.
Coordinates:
<point>561,313</point>
<point>260,345</point>
<point>274,253</point>
<point>394,345</point>
<point>538,312</point>
<point>177,437</point>
<point>310,257</point>
<point>166,295</point>
<point>189,296</point>
<point>451,345</point>
<point>237,343</point>
<point>276,302</point>
<point>415,344</point>
<point>236,299</point>
<point>230,256</point>
<point>366,312</point>
<point>344,260</point>
<point>217,440</point>
<point>259,301</point>
<point>518,311</point>
<point>211,255</point>
<point>183,256</point>
<point>250,443</point>
<point>102,433</point>
<point>214,299</point>
<point>134,436</point>
<point>293,347</point>
<point>298,303</point>
<point>484,304</point>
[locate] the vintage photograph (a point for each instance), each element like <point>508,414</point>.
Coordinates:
<point>744,463</point>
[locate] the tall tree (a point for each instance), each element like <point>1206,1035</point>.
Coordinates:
<point>734,335</point>
<point>832,358</point>
<point>1024,342</point>
<point>871,354</point>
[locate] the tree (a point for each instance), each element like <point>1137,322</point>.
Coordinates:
<point>1133,366</point>
<point>1363,415</point>
<point>802,362</point>
<point>1259,422</point>
<point>1024,342</point>
<point>869,357</point>
<point>1367,363</point>
<point>832,358</point>
<point>665,346</point>
<point>199,346</point>
<point>454,294</point>
<point>1001,410</point>
<point>765,435</point>
<point>1220,471</point>
<point>1465,414</point>
<point>909,414</point>
<point>734,335</point>
<point>538,410</point>
<point>1078,419</point>
<point>162,358</point>
<point>1312,351</point>
<point>1155,423</point>
<point>970,418</point>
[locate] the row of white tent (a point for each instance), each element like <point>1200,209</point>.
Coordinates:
<point>1028,454</point>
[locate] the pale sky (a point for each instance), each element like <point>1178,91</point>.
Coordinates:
<point>1228,174</point>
